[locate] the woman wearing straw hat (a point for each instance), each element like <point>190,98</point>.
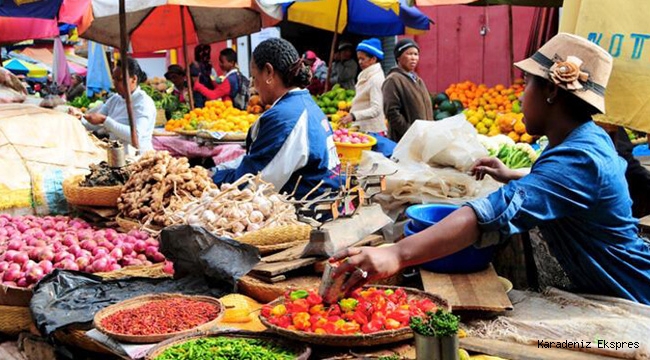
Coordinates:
<point>576,192</point>
<point>367,110</point>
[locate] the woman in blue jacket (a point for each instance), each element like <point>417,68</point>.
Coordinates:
<point>576,192</point>
<point>292,139</point>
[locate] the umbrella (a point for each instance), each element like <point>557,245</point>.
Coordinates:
<point>358,16</point>
<point>40,19</point>
<point>99,74</point>
<point>60,69</point>
<point>156,24</point>
<point>20,67</point>
<point>539,3</point>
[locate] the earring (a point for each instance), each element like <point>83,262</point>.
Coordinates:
<point>549,100</point>
<point>268,81</point>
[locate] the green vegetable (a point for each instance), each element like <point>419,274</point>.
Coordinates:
<point>223,348</point>
<point>520,155</point>
<point>388,292</point>
<point>298,294</point>
<point>348,304</point>
<point>440,324</point>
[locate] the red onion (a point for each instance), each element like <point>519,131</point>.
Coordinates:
<point>14,266</point>
<point>127,248</point>
<point>60,256</point>
<point>74,249</point>
<point>21,257</point>
<point>106,244</point>
<point>28,265</point>
<point>9,284</point>
<point>46,254</point>
<point>130,239</point>
<point>9,255</point>
<point>100,265</point>
<point>168,268</point>
<point>152,242</point>
<point>46,265</point>
<point>4,265</point>
<point>50,232</point>
<point>141,257</point>
<point>33,252</point>
<point>11,275</point>
<point>69,264</point>
<point>114,267</point>
<point>22,227</point>
<point>158,257</point>
<point>140,246</point>
<point>116,253</point>
<point>35,274</point>
<point>88,245</point>
<point>22,281</point>
<point>14,245</point>
<point>111,235</point>
<point>150,250</point>
<point>69,240</point>
<point>82,262</point>
<point>100,251</point>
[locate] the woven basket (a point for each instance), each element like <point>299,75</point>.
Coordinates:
<point>187,132</point>
<point>277,235</point>
<point>301,350</point>
<point>75,336</point>
<point>15,296</point>
<point>378,338</point>
<point>139,301</point>
<point>14,319</point>
<point>265,292</point>
<point>229,136</point>
<point>149,271</point>
<point>90,196</point>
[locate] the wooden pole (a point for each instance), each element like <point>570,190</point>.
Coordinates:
<point>187,61</point>
<point>124,43</point>
<point>512,46</point>
<point>334,40</point>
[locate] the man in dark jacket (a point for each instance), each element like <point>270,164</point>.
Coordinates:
<point>406,97</point>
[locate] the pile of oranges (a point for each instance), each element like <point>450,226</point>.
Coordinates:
<point>217,115</point>
<point>493,111</point>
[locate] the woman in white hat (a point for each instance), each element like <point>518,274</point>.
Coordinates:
<point>576,192</point>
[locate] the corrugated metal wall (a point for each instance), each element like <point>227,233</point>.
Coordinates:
<point>454,50</point>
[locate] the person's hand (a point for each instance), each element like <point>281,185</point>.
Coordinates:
<point>95,118</point>
<point>366,264</point>
<point>346,119</point>
<point>75,112</point>
<point>493,167</point>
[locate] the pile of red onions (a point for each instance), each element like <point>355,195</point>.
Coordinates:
<point>31,246</point>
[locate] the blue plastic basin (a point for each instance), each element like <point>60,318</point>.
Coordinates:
<point>425,215</point>
<point>468,260</point>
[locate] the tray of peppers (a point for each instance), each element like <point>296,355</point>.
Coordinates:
<point>368,316</point>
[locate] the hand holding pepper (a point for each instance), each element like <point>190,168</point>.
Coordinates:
<point>376,263</point>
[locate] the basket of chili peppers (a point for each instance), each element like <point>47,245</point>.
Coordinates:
<point>158,317</point>
<point>228,345</point>
<point>368,316</point>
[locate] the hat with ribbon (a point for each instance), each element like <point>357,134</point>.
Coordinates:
<point>575,64</point>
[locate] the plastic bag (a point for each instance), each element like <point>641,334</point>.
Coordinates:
<point>196,251</point>
<point>449,142</point>
<point>66,297</point>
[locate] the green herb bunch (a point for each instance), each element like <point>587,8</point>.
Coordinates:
<point>440,324</point>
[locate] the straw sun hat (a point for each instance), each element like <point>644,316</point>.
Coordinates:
<point>574,64</point>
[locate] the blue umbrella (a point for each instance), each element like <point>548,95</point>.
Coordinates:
<point>358,16</point>
<point>37,9</point>
<point>99,74</point>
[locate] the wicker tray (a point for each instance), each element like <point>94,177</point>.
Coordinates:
<point>15,296</point>
<point>153,271</point>
<point>130,224</point>
<point>229,136</point>
<point>14,319</point>
<point>90,196</point>
<point>140,300</point>
<point>265,292</point>
<point>302,350</point>
<point>378,338</point>
<point>187,132</point>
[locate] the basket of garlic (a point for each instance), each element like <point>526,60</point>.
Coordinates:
<point>256,215</point>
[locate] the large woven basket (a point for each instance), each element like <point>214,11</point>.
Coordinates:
<point>75,336</point>
<point>90,196</point>
<point>302,351</point>
<point>378,338</point>
<point>276,238</point>
<point>139,301</point>
<point>14,319</point>
<point>265,292</point>
<point>153,271</point>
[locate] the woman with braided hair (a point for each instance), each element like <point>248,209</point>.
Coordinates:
<point>292,140</point>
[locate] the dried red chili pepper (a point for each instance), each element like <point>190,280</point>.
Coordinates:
<point>161,317</point>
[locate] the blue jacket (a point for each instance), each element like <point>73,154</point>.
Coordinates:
<point>291,139</point>
<point>576,193</point>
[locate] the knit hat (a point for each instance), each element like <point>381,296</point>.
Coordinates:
<point>310,55</point>
<point>402,45</point>
<point>575,64</point>
<point>371,47</point>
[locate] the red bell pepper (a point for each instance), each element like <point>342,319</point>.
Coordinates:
<point>400,315</point>
<point>300,305</point>
<point>317,309</point>
<point>314,298</point>
<point>392,324</point>
<point>372,327</point>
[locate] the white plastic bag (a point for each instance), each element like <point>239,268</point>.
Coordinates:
<point>449,142</point>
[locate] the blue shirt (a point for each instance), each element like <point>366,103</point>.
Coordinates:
<point>576,193</point>
<point>292,139</point>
